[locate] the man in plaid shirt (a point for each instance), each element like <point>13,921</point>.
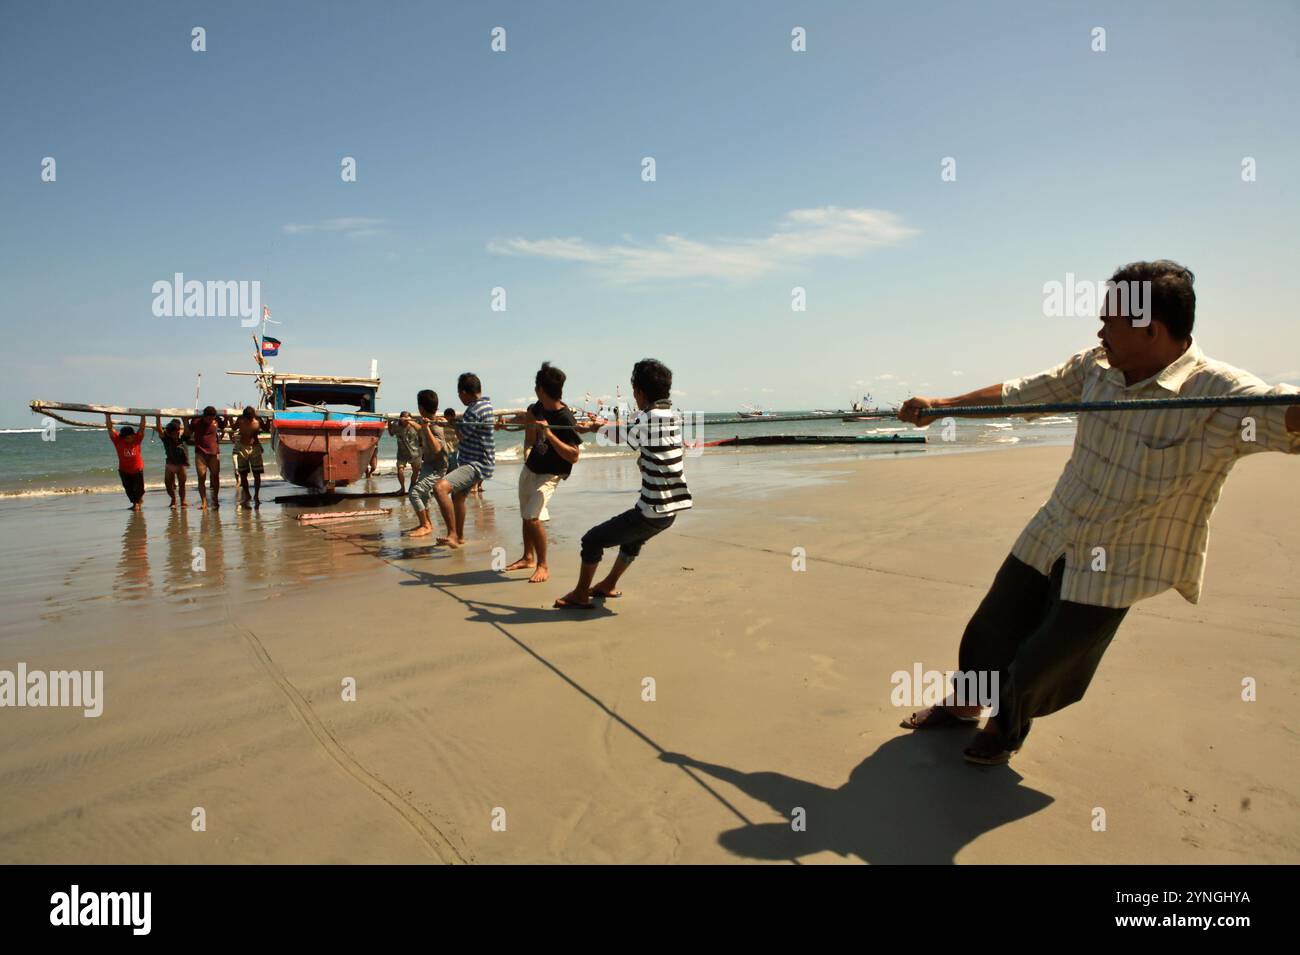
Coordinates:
<point>1129,517</point>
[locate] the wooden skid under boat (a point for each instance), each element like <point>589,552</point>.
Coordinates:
<point>817,439</point>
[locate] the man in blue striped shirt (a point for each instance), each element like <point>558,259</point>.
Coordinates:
<point>477,457</point>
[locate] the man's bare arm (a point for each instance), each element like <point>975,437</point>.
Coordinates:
<point>921,411</point>
<point>566,451</point>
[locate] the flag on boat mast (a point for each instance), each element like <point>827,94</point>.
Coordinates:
<point>269,347</point>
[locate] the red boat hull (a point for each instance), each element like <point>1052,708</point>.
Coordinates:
<point>325,454</point>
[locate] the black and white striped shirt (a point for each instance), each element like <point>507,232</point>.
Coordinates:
<point>657,435</point>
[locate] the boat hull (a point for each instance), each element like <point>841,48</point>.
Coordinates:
<point>324,453</point>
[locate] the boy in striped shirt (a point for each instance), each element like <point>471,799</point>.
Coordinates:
<point>656,433</point>
<point>477,457</point>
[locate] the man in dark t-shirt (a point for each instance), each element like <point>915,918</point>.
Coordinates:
<point>553,443</point>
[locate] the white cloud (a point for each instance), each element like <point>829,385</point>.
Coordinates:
<point>958,374</point>
<point>1284,378</point>
<point>679,393</point>
<point>887,376</point>
<point>351,226</point>
<point>803,234</point>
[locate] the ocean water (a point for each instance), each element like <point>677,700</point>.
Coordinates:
<point>82,461</point>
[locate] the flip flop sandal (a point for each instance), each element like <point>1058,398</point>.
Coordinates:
<point>938,718</point>
<point>605,596</point>
<point>984,753</point>
<point>562,604</point>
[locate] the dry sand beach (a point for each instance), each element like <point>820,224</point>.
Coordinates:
<point>772,687</point>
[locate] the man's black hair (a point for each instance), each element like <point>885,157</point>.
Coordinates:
<point>469,384</point>
<point>428,402</point>
<point>126,432</point>
<point>653,378</point>
<point>551,380</point>
<point>209,410</point>
<point>1172,301</point>
<point>250,412</point>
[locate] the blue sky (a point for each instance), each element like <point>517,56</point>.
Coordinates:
<point>522,170</point>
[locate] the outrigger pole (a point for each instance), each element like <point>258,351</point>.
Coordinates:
<point>51,407</point>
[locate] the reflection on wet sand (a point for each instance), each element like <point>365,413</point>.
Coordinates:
<point>133,582</point>
<point>178,572</point>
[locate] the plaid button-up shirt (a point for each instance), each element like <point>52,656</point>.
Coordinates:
<point>1141,485</point>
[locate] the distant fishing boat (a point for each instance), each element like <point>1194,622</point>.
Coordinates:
<point>862,412</point>
<point>753,411</point>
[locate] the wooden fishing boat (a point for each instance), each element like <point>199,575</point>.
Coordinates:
<point>324,428</point>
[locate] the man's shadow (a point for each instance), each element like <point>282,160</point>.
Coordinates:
<point>484,611</point>
<point>914,800</point>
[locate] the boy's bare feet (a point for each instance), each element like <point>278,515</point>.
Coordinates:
<point>540,575</point>
<point>419,532</point>
<point>523,563</point>
<point>451,541</point>
<point>603,589</point>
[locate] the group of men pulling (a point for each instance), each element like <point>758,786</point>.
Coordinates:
<point>1139,488</point>
<point>450,455</point>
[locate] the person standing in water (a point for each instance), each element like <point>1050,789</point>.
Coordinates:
<point>178,457</point>
<point>248,455</point>
<point>206,431</point>
<point>130,462</point>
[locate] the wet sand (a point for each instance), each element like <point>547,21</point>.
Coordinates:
<point>476,703</point>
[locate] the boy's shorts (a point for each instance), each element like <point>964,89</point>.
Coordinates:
<point>249,458</point>
<point>462,478</point>
<point>535,492</point>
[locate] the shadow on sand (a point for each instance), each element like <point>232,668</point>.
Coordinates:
<point>484,611</point>
<point>914,800</point>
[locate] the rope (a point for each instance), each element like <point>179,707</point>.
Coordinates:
<point>1131,404</point>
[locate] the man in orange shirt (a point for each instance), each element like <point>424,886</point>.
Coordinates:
<point>130,462</point>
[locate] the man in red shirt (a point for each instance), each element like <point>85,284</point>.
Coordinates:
<point>206,431</point>
<point>130,462</point>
